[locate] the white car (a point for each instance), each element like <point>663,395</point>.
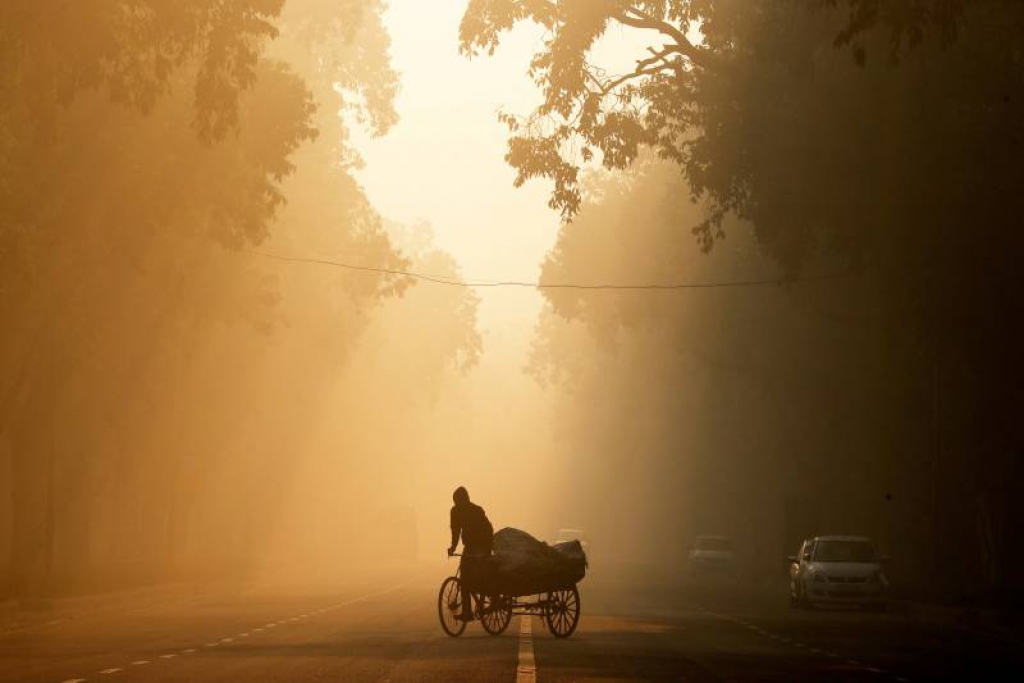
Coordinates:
<point>566,535</point>
<point>837,570</point>
<point>712,556</point>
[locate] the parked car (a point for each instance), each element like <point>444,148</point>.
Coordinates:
<point>837,570</point>
<point>712,556</point>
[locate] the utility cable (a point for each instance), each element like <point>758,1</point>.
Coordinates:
<point>444,280</point>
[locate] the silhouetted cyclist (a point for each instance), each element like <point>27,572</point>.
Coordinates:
<point>470,521</point>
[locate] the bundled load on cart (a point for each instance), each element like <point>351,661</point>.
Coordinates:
<point>520,566</point>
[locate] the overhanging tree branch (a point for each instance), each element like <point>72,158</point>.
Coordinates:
<point>636,18</point>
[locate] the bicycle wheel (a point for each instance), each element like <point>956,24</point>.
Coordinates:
<point>495,613</point>
<point>563,612</point>
<point>449,607</point>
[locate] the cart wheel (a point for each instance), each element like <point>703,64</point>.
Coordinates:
<point>563,612</point>
<point>495,613</point>
<point>449,607</point>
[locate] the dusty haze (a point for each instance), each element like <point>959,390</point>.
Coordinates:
<point>216,359</point>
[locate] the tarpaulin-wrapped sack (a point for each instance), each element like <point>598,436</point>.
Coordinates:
<point>522,565</point>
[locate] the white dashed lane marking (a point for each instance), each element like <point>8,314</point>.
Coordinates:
<point>796,643</point>
<point>526,669</point>
<point>362,598</point>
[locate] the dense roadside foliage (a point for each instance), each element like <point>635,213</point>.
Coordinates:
<point>714,409</point>
<point>882,140</point>
<point>155,370</point>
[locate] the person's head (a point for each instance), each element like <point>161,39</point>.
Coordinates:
<point>461,496</point>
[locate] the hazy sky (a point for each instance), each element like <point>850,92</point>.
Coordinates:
<point>444,161</point>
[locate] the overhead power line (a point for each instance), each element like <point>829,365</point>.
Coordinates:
<point>444,280</point>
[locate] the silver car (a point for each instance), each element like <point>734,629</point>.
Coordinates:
<point>837,570</point>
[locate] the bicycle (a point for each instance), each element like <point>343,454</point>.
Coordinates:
<point>560,609</point>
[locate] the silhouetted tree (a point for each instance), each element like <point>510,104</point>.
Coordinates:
<point>154,371</point>
<point>872,137</point>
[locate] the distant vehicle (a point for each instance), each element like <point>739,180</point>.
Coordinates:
<point>712,556</point>
<point>566,535</point>
<point>837,570</point>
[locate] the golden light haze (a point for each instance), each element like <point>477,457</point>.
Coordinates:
<point>214,361</point>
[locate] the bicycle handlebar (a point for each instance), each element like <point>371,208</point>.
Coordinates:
<point>465,555</point>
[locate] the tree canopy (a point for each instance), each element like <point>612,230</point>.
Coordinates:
<point>875,140</point>
<point>151,358</point>
<point>716,75</point>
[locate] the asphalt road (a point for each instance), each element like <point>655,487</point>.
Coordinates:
<point>387,630</point>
